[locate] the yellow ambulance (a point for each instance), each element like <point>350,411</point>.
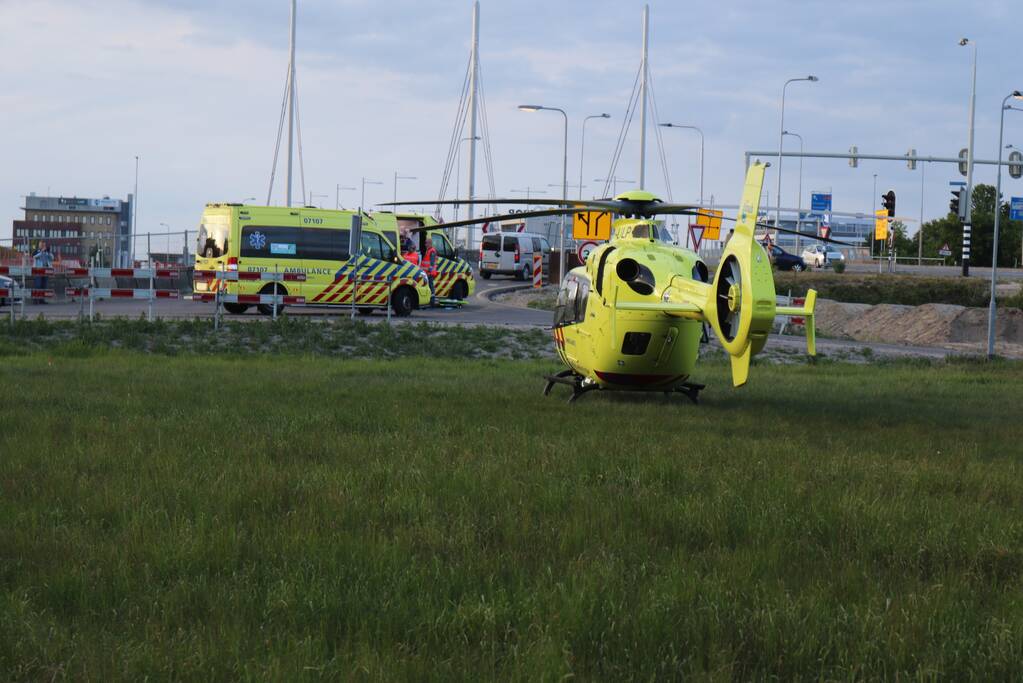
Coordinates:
<point>311,242</point>
<point>453,277</point>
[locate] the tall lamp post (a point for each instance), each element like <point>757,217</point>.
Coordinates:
<point>1015,94</point>
<point>396,179</point>
<point>968,223</point>
<point>614,183</point>
<point>781,141</point>
<point>337,194</point>
<point>365,182</point>
<point>564,180</point>
<point>582,148</point>
<point>675,125</point>
<point>799,194</point>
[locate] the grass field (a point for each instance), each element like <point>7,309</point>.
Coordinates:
<point>289,517</point>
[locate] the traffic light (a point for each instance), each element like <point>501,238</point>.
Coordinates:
<point>953,205</point>
<point>888,202</point>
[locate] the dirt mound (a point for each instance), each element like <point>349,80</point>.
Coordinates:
<point>927,325</point>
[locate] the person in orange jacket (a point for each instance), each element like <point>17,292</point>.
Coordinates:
<point>429,265</point>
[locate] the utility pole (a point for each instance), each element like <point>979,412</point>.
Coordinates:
<point>134,215</point>
<point>473,105</point>
<point>968,223</point>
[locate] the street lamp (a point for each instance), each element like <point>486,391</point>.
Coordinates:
<point>968,223</point>
<point>337,194</point>
<point>582,148</point>
<point>614,180</point>
<point>529,191</point>
<point>781,143</point>
<point>799,195</point>
<point>311,195</point>
<point>1015,94</point>
<point>675,125</point>
<point>365,182</point>
<point>248,199</point>
<point>396,179</point>
<point>564,180</point>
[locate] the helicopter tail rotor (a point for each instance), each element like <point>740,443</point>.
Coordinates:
<point>741,303</point>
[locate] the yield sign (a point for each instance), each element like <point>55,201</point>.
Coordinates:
<point>696,236</point>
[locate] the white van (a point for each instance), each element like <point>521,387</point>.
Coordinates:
<point>511,253</point>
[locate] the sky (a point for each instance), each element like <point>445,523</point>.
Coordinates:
<point>193,88</point>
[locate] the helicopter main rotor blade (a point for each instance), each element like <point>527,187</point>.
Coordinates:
<point>500,217</point>
<point>765,226</point>
<point>594,204</point>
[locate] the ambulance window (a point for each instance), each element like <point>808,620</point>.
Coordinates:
<point>511,243</point>
<point>325,245</point>
<point>212,241</point>
<point>372,245</point>
<point>392,237</point>
<point>442,246</point>
<point>266,241</point>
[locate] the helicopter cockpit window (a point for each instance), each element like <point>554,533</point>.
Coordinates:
<point>565,308</point>
<point>641,231</point>
<point>581,296</point>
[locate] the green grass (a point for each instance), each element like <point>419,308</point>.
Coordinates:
<point>909,290</point>
<point>337,337</point>
<point>289,518</point>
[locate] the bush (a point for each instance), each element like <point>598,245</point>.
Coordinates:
<point>838,266</point>
<point>909,290</point>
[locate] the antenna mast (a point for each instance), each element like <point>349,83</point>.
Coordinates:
<point>642,98</point>
<point>473,103</point>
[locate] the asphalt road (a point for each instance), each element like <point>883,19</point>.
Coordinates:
<point>477,310</point>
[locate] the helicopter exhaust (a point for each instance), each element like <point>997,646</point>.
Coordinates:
<point>639,278</point>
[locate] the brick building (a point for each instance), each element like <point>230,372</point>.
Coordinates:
<point>90,230</point>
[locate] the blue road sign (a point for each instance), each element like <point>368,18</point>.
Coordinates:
<point>1016,209</point>
<point>820,201</point>
<point>957,183</point>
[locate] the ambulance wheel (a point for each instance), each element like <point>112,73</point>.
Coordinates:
<point>403,301</point>
<point>485,274</point>
<point>236,309</point>
<point>268,309</point>
<point>460,291</point>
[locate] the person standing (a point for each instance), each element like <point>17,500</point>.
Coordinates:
<point>42,257</point>
<point>429,266</point>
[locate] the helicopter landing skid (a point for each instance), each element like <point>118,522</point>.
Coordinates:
<point>691,390</point>
<point>571,379</point>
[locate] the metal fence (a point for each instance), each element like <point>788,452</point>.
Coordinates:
<point>101,250</point>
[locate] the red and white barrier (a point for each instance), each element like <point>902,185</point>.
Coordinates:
<point>26,293</point>
<point>537,270</point>
<point>790,319</point>
<point>137,273</point>
<point>25,271</point>
<point>122,293</point>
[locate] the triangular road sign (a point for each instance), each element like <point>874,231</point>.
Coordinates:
<point>696,236</point>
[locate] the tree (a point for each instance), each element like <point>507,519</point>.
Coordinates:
<point>949,230</point>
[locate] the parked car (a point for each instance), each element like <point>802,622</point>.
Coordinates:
<point>820,255</point>
<point>783,260</point>
<point>7,283</point>
<point>511,253</point>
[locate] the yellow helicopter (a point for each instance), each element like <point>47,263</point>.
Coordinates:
<point>632,317</point>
